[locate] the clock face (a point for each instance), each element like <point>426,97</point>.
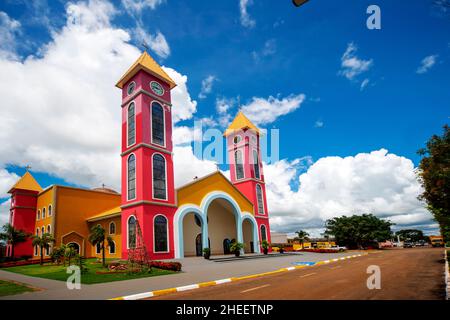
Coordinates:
<point>157,88</point>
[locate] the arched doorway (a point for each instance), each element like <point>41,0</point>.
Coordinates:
<point>75,246</point>
<point>222,225</point>
<point>226,246</point>
<point>192,235</point>
<point>248,235</point>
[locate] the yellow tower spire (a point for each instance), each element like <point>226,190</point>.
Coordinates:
<point>241,122</point>
<point>27,182</point>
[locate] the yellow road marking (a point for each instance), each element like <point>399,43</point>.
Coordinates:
<point>253,289</point>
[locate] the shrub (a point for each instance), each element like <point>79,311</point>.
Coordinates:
<point>172,266</point>
<point>320,250</point>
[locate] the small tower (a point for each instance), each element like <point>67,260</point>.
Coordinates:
<point>246,169</point>
<point>22,216</point>
<point>148,192</point>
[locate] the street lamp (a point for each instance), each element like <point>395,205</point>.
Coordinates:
<point>299,3</point>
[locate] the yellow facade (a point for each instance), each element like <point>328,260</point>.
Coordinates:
<point>195,192</point>
<point>44,217</point>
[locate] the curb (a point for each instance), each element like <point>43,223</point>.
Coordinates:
<point>227,280</point>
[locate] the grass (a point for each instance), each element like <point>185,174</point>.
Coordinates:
<point>55,272</point>
<point>8,288</point>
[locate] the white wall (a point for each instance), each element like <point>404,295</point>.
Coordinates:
<point>190,232</point>
<point>221,225</point>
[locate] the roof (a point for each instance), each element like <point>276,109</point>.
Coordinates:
<point>27,182</point>
<point>147,63</point>
<point>114,212</point>
<point>241,122</point>
<point>106,190</point>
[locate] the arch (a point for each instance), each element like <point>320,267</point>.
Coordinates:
<point>50,210</point>
<point>160,228</point>
<point>49,229</point>
<point>112,228</point>
<point>43,213</point>
<point>75,245</point>
<point>131,124</point>
<point>158,129</point>
<point>256,164</point>
<point>38,215</point>
<point>178,226</point>
<point>131,232</point>
<point>159,176</point>
<point>263,233</point>
<point>42,231</point>
<point>112,247</point>
<point>131,177</point>
<point>251,218</point>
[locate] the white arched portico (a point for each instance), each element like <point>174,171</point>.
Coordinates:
<point>251,218</point>
<point>201,212</point>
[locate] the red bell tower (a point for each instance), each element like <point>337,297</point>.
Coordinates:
<point>148,193</point>
<point>246,169</point>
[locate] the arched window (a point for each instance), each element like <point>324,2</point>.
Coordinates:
<point>43,213</point>
<point>158,124</point>
<point>98,248</point>
<point>50,210</point>
<point>131,177</point>
<point>49,228</point>
<point>239,164</point>
<point>35,250</point>
<point>131,123</point>
<point>159,177</point>
<point>237,139</point>
<point>256,163</point>
<point>112,248</point>
<point>112,228</point>
<point>38,215</point>
<point>37,232</point>
<point>160,232</point>
<point>263,233</point>
<point>131,232</point>
<point>42,231</point>
<point>259,198</point>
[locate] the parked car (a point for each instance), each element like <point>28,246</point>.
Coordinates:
<point>408,245</point>
<point>338,248</point>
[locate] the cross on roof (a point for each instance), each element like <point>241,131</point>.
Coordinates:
<point>145,45</point>
<point>27,167</point>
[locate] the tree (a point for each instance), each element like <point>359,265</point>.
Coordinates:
<point>410,235</point>
<point>13,236</point>
<point>358,231</point>
<point>69,253</point>
<point>43,242</point>
<point>98,236</point>
<point>302,236</point>
<point>434,175</point>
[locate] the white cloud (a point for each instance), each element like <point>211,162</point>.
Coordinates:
<point>9,28</point>
<point>378,182</point>
<point>351,64</point>
<point>427,63</point>
<point>207,85</point>
<point>364,84</point>
<point>7,180</point>
<point>136,6</point>
<point>187,165</point>
<point>269,49</point>
<point>68,122</point>
<point>156,42</point>
<point>264,111</point>
<point>246,20</point>
<point>4,212</point>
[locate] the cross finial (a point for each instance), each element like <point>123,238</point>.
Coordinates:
<point>145,45</point>
<point>103,185</point>
<point>27,167</point>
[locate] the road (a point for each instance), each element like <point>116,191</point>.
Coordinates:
<point>406,274</point>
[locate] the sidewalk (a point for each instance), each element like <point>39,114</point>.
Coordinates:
<point>195,269</point>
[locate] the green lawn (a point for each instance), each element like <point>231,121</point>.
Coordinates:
<point>51,271</point>
<point>8,288</point>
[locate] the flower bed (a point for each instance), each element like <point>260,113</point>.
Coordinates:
<point>172,266</point>
<point>22,263</point>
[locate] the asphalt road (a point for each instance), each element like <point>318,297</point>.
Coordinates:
<point>406,274</point>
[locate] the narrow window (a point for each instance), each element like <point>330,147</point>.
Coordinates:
<point>43,213</point>
<point>157,124</point>
<point>132,232</point>
<point>131,177</point>
<point>50,210</point>
<point>259,197</point>
<point>263,233</point>
<point>49,229</point>
<point>112,228</point>
<point>39,215</point>
<point>160,229</point>
<point>239,164</point>
<point>159,177</point>
<point>131,125</point>
<point>98,248</point>
<point>42,231</point>
<point>256,164</point>
<point>112,247</point>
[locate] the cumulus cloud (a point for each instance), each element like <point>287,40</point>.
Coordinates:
<point>246,20</point>
<point>427,63</point>
<point>265,111</point>
<point>207,85</point>
<point>156,42</point>
<point>68,122</point>
<point>351,65</point>
<point>379,182</point>
<point>7,180</point>
<point>9,28</point>
<point>4,211</point>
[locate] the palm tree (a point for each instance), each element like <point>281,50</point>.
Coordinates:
<point>98,236</point>
<point>302,236</point>
<point>13,236</point>
<point>43,242</point>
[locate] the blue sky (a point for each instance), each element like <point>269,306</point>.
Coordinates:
<point>283,52</point>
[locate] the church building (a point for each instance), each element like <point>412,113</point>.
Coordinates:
<point>209,212</point>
